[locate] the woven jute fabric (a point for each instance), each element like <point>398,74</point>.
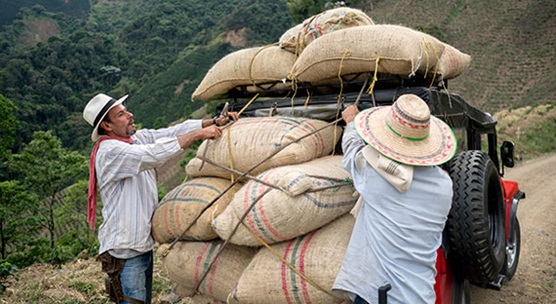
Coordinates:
<point>299,36</point>
<point>251,140</point>
<point>186,263</point>
<point>281,215</point>
<point>318,255</point>
<point>400,51</point>
<point>257,65</point>
<point>179,207</point>
<point>196,299</point>
<point>453,63</point>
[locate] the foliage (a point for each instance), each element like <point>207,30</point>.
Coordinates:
<point>11,8</point>
<point>8,126</point>
<point>162,89</point>
<point>14,198</point>
<point>122,49</point>
<point>264,20</point>
<point>32,253</point>
<point>47,169</point>
<point>162,191</point>
<point>47,83</point>
<point>6,268</point>
<point>189,154</point>
<point>302,9</point>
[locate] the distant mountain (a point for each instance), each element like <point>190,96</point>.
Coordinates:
<point>10,8</point>
<point>53,60</point>
<point>512,43</point>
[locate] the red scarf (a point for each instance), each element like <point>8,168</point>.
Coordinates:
<point>92,195</point>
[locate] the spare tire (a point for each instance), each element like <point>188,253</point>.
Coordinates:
<point>475,228</point>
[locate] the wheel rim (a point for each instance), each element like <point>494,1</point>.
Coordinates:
<point>511,253</point>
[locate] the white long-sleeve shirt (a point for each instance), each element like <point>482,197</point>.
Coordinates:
<point>396,235</point>
<point>127,182</point>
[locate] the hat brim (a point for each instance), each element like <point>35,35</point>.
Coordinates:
<point>439,147</point>
<point>95,136</point>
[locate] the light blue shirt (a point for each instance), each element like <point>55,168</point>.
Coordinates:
<point>127,182</point>
<point>396,235</point>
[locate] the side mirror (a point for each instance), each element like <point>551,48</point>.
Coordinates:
<point>507,153</point>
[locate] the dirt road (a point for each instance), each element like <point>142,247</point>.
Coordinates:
<point>535,280</point>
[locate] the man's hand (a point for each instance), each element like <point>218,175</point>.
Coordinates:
<point>349,113</point>
<point>210,132</point>
<point>224,119</point>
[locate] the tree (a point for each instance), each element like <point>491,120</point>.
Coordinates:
<point>8,126</point>
<point>15,212</point>
<point>48,168</point>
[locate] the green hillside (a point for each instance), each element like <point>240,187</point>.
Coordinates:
<point>512,43</point>
<point>53,61</point>
<point>10,8</point>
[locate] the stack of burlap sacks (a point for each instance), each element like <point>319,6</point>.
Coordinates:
<point>340,42</point>
<point>300,200</point>
<point>291,243</point>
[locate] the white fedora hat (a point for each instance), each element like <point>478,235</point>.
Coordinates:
<point>407,133</point>
<point>97,108</point>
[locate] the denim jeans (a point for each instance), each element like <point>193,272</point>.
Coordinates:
<point>359,300</point>
<point>137,277</point>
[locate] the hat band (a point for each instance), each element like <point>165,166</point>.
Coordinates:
<point>103,111</point>
<point>406,137</point>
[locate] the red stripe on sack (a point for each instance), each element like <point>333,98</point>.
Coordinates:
<point>317,137</point>
<point>259,189</point>
<point>283,272</point>
<point>212,276</point>
<point>304,248</point>
<point>263,216</point>
<point>199,260</point>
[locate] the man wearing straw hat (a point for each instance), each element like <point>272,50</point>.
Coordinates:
<point>123,163</point>
<point>393,154</point>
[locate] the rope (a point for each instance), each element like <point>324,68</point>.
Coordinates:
<point>165,253</point>
<point>253,60</point>
<point>292,267</point>
<point>339,98</point>
<point>226,126</point>
<point>231,161</point>
<point>307,99</point>
<point>223,245</point>
<point>294,88</point>
<point>251,177</point>
<point>356,103</point>
<point>425,44</point>
<point>250,206</point>
<point>375,78</point>
<point>341,182</point>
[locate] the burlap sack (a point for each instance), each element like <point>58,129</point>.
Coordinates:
<point>196,299</point>
<point>318,255</point>
<point>453,62</point>
<point>249,66</point>
<point>187,261</point>
<point>299,36</point>
<point>254,139</point>
<point>182,205</point>
<point>401,51</point>
<point>302,206</point>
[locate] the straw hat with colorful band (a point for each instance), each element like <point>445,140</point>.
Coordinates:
<point>406,132</point>
<point>97,108</point>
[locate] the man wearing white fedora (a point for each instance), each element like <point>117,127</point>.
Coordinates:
<point>393,153</point>
<point>122,164</point>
